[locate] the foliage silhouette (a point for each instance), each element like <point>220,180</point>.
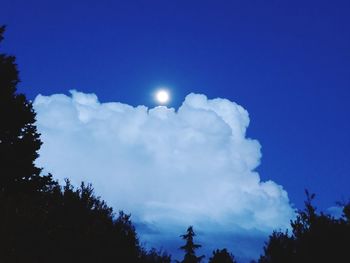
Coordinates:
<point>280,248</point>
<point>19,139</point>
<point>222,256</point>
<point>316,237</point>
<point>190,247</point>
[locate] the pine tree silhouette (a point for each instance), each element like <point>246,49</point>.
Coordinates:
<point>190,247</point>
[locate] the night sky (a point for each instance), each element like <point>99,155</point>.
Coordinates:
<point>286,62</point>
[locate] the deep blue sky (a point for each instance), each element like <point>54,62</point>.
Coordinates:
<point>286,62</point>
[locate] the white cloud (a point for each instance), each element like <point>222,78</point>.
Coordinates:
<point>170,169</point>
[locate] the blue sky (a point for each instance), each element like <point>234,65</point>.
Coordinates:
<point>286,62</point>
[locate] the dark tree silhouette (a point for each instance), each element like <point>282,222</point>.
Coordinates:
<point>19,139</point>
<point>84,227</point>
<point>21,186</point>
<point>222,256</point>
<point>316,237</point>
<point>190,247</point>
<point>280,248</point>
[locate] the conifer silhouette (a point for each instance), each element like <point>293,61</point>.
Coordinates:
<point>190,247</point>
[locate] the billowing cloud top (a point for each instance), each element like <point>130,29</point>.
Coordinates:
<point>170,169</point>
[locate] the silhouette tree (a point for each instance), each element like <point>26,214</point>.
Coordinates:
<point>190,247</point>
<point>85,228</point>
<point>21,186</point>
<point>316,237</point>
<point>19,139</point>
<point>222,256</point>
<point>280,248</point>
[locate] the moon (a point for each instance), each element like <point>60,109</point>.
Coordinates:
<point>162,96</point>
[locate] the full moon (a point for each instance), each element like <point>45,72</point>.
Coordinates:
<point>162,96</point>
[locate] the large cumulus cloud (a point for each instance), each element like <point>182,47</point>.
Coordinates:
<point>169,168</point>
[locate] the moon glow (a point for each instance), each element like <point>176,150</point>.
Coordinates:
<point>162,96</point>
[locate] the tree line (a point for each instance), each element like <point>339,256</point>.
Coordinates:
<point>42,221</point>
